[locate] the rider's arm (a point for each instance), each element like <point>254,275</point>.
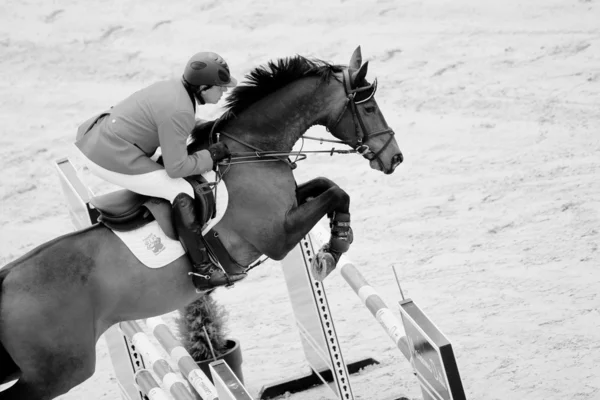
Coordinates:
<point>172,135</point>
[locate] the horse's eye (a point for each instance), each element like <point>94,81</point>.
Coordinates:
<point>370,109</point>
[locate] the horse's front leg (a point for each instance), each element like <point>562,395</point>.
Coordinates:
<point>317,198</point>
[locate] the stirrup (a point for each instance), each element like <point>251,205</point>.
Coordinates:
<point>210,271</point>
<point>206,277</point>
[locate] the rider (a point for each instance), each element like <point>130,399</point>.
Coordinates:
<point>120,142</point>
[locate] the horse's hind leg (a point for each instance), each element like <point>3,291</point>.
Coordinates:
<point>8,369</point>
<point>23,390</point>
<point>52,359</point>
<point>34,390</point>
<point>47,375</point>
<point>44,386</point>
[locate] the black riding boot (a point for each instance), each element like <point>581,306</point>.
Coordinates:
<point>205,274</point>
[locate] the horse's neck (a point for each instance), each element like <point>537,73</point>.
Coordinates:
<point>278,121</point>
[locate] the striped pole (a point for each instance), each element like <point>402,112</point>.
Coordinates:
<point>148,385</point>
<point>390,323</point>
<point>172,383</point>
<point>186,363</point>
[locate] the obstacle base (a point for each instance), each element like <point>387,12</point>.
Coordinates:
<point>432,356</point>
<point>228,385</point>
<point>305,382</point>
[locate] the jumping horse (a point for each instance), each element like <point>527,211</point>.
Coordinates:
<point>59,298</point>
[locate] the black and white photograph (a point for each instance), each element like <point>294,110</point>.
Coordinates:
<point>302,200</point>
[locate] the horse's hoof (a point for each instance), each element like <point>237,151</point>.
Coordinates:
<point>322,265</point>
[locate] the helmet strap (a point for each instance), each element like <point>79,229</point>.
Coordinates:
<point>199,93</point>
<point>195,91</point>
<point>198,96</point>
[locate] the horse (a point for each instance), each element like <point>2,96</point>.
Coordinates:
<point>59,298</point>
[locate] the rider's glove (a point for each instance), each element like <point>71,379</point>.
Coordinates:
<point>219,151</point>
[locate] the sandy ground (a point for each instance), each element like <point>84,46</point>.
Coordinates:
<point>492,221</point>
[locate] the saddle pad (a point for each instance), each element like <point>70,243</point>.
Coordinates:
<point>153,248</point>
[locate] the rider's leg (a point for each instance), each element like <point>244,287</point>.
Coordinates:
<point>181,194</point>
<point>155,184</point>
<point>205,274</point>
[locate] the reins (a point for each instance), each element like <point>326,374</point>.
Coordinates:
<point>363,135</point>
<point>259,155</point>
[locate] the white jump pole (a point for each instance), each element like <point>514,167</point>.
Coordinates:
<point>185,362</point>
<point>371,299</point>
<point>172,383</point>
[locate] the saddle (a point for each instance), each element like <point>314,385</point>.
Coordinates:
<point>124,211</point>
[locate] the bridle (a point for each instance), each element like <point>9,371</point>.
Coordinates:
<point>362,135</point>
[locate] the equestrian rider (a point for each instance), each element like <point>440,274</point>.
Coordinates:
<point>120,142</point>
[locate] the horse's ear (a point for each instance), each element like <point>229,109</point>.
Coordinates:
<point>359,76</point>
<point>356,59</point>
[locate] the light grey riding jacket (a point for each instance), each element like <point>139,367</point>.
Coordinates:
<point>124,138</point>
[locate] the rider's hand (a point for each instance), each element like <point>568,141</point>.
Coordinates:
<point>219,151</point>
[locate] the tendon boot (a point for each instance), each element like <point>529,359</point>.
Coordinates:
<point>341,233</point>
<point>205,274</point>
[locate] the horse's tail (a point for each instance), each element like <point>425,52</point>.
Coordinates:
<point>8,365</point>
<point>4,271</point>
<point>3,274</point>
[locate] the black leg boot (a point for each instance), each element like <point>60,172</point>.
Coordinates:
<point>205,274</point>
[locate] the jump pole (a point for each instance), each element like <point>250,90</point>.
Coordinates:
<point>185,362</point>
<point>172,383</point>
<point>227,386</point>
<point>425,346</point>
<point>146,384</point>
<point>375,304</point>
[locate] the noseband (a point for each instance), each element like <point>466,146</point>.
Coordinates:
<point>362,135</point>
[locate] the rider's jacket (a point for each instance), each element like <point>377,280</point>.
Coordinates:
<point>125,137</point>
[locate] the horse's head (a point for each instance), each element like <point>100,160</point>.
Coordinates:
<point>357,120</point>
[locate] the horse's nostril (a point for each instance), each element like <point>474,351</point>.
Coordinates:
<point>397,159</point>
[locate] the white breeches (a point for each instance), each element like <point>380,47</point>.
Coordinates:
<point>155,184</point>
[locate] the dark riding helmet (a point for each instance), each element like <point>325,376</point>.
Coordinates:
<point>208,68</point>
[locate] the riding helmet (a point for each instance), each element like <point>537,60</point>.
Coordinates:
<point>208,68</point>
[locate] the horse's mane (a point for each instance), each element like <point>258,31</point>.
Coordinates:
<point>267,79</point>
<point>263,81</point>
